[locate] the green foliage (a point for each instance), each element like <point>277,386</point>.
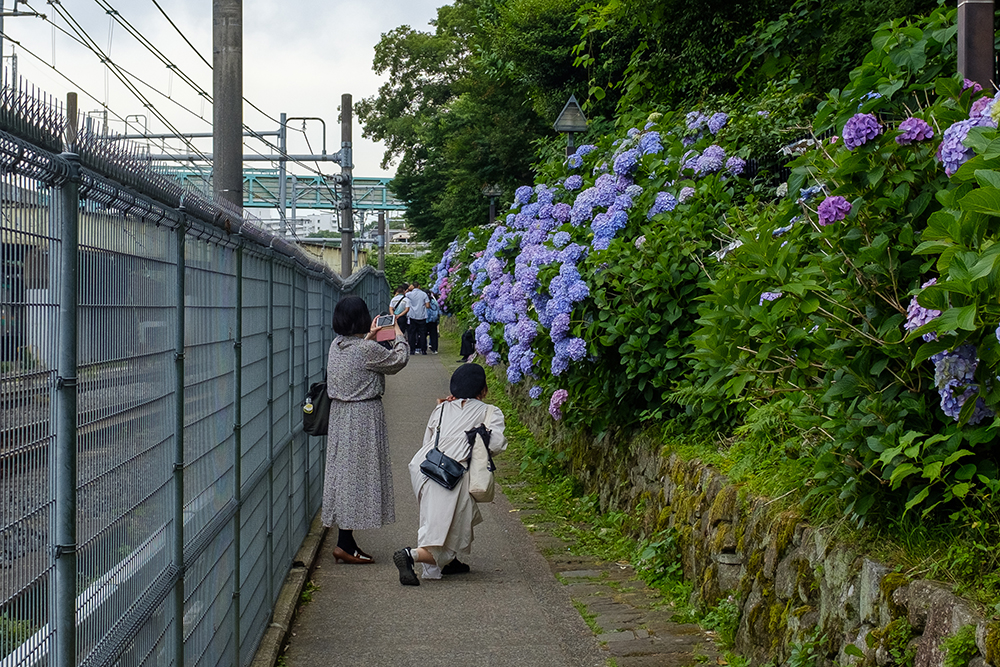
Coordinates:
<point>397,268</point>
<point>724,619</point>
<point>961,647</point>
<point>13,633</point>
<point>807,652</point>
<point>813,43</point>
<point>307,592</point>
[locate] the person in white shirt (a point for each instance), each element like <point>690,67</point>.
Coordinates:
<point>417,329</point>
<point>400,307</point>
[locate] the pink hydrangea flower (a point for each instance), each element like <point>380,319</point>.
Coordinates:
<point>559,397</point>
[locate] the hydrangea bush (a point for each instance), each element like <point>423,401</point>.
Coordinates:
<point>651,275</point>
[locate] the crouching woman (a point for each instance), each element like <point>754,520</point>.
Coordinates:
<point>447,517</point>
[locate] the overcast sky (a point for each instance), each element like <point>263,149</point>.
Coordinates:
<point>299,57</point>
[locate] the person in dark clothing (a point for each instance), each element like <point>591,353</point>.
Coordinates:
<point>433,315</point>
<point>468,344</point>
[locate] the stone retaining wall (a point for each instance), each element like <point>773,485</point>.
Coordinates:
<point>793,583</point>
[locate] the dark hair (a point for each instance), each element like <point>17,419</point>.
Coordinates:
<point>402,288</point>
<point>468,381</point>
<point>351,317</point>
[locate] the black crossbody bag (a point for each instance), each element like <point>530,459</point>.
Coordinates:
<point>439,467</point>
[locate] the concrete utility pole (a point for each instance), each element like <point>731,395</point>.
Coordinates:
<point>975,42</point>
<point>346,188</point>
<point>227,93</point>
<point>381,240</point>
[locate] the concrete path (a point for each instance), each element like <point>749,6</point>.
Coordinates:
<point>509,611</point>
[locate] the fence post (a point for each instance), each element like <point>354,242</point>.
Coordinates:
<point>64,546</point>
<point>270,428</point>
<point>237,453</point>
<point>179,563</point>
<point>975,41</point>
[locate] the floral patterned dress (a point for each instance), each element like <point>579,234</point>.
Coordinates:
<point>357,488</point>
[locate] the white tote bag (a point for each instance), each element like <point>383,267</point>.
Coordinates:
<point>481,467</point>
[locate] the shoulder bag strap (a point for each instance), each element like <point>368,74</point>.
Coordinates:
<point>437,438</point>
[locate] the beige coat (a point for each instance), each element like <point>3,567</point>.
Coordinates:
<point>447,517</point>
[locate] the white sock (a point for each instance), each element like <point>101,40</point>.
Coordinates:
<point>413,553</point>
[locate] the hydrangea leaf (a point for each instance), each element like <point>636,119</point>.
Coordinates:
<point>983,200</point>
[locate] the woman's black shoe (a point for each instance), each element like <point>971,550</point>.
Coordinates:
<point>404,563</point>
<point>455,567</point>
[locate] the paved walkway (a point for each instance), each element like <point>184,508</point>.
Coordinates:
<point>516,607</point>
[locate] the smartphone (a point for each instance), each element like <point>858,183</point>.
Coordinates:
<point>383,321</point>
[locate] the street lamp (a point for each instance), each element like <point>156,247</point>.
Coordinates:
<point>571,120</point>
<point>492,191</point>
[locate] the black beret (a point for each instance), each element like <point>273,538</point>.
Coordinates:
<point>468,381</point>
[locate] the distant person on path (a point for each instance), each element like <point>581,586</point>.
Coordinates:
<point>468,345</point>
<point>357,487</point>
<point>433,315</point>
<point>400,307</point>
<point>447,517</point>
<point>418,319</point>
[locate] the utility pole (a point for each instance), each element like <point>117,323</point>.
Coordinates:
<point>975,42</point>
<point>346,188</point>
<point>227,108</point>
<point>381,241</point>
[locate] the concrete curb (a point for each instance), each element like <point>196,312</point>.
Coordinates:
<point>272,643</point>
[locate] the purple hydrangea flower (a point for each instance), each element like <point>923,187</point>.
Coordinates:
<point>535,392</point>
<point>998,333</point>
<point>559,397</point>
<point>560,239</point>
<point>952,152</point>
<point>627,162</point>
<point>664,202</point>
<point>574,161</point>
<point>917,316</point>
<point>764,114</point>
<point>685,194</point>
<point>969,83</point>
<point>914,129</point>
<point>981,107</point>
<point>833,209</point>
<point>735,165</point>
<point>859,130</point>
<point>769,296</point>
<point>576,349</point>
<point>717,122</point>
<point>639,242</point>
<point>574,182</point>
<point>562,212</point>
<point>493,358</point>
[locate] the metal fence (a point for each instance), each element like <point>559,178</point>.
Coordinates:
<point>155,483</point>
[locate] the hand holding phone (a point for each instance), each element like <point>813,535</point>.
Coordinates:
<point>383,321</point>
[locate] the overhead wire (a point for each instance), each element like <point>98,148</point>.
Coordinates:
<point>124,76</point>
<point>72,82</point>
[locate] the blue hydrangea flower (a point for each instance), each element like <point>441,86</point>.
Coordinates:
<point>535,392</point>
<point>574,182</point>
<point>664,202</point>
<point>717,122</point>
<point>769,296</point>
<point>685,194</point>
<point>626,162</point>
<point>954,375</point>
<point>650,143</point>
<point>711,160</point>
<point>574,161</point>
<point>523,194</point>
<point>695,121</point>
<point>560,239</point>
<point>735,165</point>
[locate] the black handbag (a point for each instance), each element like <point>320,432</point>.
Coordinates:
<point>316,410</point>
<point>439,467</point>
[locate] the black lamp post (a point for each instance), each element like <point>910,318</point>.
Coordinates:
<point>492,191</point>
<point>571,120</point>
